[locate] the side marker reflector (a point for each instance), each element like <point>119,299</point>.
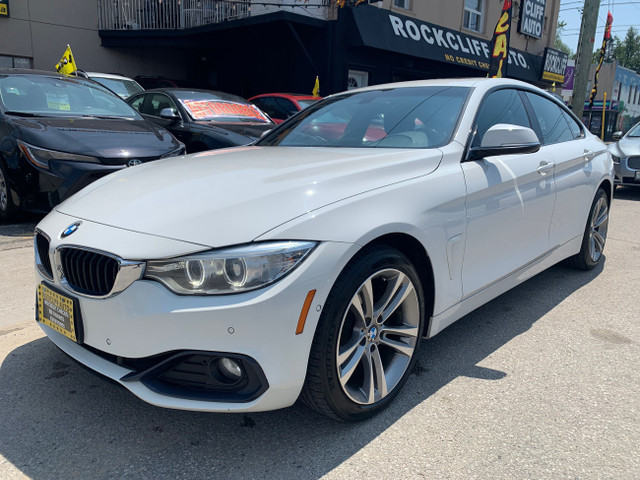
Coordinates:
<point>305,311</point>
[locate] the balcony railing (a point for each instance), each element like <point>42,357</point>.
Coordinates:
<point>168,14</point>
<point>180,14</point>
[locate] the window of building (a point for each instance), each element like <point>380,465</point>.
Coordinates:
<point>473,11</point>
<point>357,79</point>
<point>14,62</point>
<point>401,4</point>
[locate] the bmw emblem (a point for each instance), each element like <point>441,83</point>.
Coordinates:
<point>133,162</point>
<point>70,229</point>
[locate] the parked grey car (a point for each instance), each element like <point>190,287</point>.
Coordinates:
<point>626,158</point>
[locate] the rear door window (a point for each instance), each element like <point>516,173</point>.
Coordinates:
<point>551,118</point>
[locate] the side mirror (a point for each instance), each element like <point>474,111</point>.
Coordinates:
<point>617,135</point>
<point>506,139</point>
<point>169,114</point>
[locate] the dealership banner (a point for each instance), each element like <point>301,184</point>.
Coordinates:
<point>500,43</point>
<point>603,51</point>
<point>532,17</point>
<point>554,66</point>
<point>4,8</point>
<point>385,30</point>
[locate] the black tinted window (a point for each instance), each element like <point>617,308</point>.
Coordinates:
<point>553,124</point>
<point>272,106</point>
<point>287,106</point>
<point>156,103</point>
<point>501,106</point>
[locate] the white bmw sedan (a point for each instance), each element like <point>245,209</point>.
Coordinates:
<point>311,264</point>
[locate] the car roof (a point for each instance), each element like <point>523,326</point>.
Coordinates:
<point>297,96</point>
<point>108,75</point>
<point>29,71</point>
<point>459,82</point>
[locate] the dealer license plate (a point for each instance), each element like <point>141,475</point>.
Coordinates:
<point>58,312</point>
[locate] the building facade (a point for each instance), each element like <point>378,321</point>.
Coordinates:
<point>622,108</point>
<point>249,46</point>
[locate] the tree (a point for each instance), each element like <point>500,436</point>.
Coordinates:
<point>627,51</point>
<point>558,44</point>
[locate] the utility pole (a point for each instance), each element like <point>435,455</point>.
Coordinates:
<point>585,52</point>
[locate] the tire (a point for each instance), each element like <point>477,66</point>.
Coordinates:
<point>362,354</point>
<point>595,234</point>
<point>7,208</point>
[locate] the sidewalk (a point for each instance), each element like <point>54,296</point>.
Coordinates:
<point>18,302</point>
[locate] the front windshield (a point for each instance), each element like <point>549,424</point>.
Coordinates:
<point>40,95</point>
<point>635,131</point>
<point>220,107</point>
<point>124,88</point>
<point>408,117</point>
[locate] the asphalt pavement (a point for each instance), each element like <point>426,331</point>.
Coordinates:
<point>541,383</point>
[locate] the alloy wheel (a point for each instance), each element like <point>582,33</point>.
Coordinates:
<point>4,193</point>
<point>598,228</point>
<point>378,336</point>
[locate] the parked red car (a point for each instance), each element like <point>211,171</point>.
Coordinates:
<point>280,106</point>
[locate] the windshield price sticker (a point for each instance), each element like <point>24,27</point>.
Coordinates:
<point>201,109</point>
<point>58,101</point>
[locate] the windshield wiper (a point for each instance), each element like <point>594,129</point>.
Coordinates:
<point>23,114</point>
<point>108,117</point>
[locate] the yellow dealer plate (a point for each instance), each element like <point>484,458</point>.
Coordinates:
<point>57,311</point>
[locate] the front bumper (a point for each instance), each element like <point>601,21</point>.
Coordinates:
<point>44,189</point>
<point>626,173</point>
<point>148,321</point>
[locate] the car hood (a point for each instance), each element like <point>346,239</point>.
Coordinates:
<point>232,196</point>
<point>629,147</point>
<point>96,137</point>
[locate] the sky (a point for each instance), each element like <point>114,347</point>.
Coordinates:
<point>626,13</point>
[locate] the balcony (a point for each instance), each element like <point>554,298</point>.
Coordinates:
<point>185,14</point>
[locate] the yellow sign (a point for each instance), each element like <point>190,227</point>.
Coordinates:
<point>67,64</point>
<point>4,8</point>
<point>553,77</point>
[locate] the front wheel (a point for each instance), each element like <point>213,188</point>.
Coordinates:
<point>367,338</point>
<point>595,234</point>
<point>7,209</point>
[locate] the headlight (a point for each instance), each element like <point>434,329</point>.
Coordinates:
<point>177,152</point>
<point>40,156</point>
<point>231,270</point>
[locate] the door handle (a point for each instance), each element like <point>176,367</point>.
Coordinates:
<point>545,167</point>
<point>588,155</point>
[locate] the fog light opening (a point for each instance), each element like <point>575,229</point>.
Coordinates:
<point>229,370</point>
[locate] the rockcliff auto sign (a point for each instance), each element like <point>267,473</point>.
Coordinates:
<point>532,17</point>
<point>398,33</point>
